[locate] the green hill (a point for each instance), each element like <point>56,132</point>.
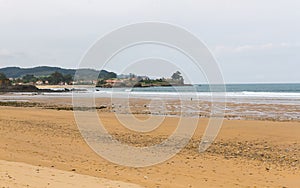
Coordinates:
<point>17,72</point>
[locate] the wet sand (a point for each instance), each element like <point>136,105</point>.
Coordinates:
<point>245,153</point>
<point>289,110</point>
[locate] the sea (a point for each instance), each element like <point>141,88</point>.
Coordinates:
<point>252,93</point>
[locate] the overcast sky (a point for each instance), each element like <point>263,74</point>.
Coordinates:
<point>252,40</point>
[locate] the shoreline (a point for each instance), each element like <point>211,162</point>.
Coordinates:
<point>173,108</point>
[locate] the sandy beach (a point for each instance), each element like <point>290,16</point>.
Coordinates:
<point>246,153</point>
<point>19,175</point>
<point>149,94</point>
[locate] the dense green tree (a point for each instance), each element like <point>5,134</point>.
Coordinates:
<point>2,76</point>
<point>68,78</point>
<point>106,75</point>
<point>29,78</point>
<point>177,76</point>
<point>55,78</point>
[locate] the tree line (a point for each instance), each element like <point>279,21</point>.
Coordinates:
<point>53,79</point>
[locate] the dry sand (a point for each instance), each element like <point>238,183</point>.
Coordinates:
<point>19,175</point>
<point>246,153</point>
